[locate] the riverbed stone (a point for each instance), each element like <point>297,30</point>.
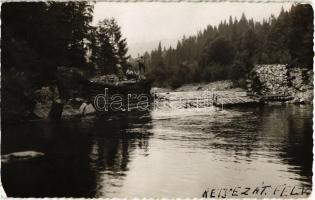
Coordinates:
<point>89,109</point>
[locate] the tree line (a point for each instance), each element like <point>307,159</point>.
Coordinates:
<point>38,37</point>
<point>230,50</point>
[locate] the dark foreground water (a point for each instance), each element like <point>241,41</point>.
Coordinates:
<point>162,154</point>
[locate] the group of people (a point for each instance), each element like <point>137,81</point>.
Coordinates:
<point>136,74</point>
<point>132,74</point>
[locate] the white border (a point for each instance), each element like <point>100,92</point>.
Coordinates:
<point>312,196</point>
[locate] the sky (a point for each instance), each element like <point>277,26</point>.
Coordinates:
<point>143,22</point>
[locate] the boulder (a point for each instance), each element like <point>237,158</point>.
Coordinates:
<point>89,109</point>
<point>86,109</point>
<point>82,107</point>
<point>47,102</point>
<point>42,110</point>
<point>22,155</point>
<point>69,111</point>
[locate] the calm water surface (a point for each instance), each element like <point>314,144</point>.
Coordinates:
<point>160,154</point>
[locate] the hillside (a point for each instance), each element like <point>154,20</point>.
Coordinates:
<point>141,48</point>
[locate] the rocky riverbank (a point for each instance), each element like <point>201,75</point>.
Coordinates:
<point>282,80</point>
<point>47,96</point>
<point>63,97</point>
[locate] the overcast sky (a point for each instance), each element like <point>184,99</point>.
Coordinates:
<point>144,22</point>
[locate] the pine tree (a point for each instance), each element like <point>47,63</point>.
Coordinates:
<point>109,49</point>
<point>300,34</point>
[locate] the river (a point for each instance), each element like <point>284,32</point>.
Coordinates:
<point>161,154</point>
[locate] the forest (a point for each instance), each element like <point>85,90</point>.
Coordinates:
<point>40,37</point>
<point>231,49</point>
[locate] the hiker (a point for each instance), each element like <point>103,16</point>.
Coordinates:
<point>141,65</point>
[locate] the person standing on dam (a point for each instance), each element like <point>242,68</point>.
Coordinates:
<point>141,65</point>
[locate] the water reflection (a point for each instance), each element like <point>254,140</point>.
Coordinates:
<point>115,141</point>
<point>63,169</point>
<point>160,154</point>
<point>76,153</point>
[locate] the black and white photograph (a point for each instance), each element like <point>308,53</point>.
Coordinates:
<point>139,99</point>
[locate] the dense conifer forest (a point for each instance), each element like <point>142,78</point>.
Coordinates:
<point>230,50</point>
<point>39,37</point>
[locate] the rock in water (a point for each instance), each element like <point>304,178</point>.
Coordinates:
<point>89,109</point>
<point>22,155</point>
<point>82,107</point>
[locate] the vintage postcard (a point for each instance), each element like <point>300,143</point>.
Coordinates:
<point>157,99</point>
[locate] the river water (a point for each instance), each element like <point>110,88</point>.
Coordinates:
<point>161,154</point>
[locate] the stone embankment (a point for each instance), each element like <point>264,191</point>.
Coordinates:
<point>292,85</point>
<point>66,99</point>
<point>48,101</point>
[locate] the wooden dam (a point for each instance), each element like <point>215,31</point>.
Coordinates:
<point>227,98</point>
